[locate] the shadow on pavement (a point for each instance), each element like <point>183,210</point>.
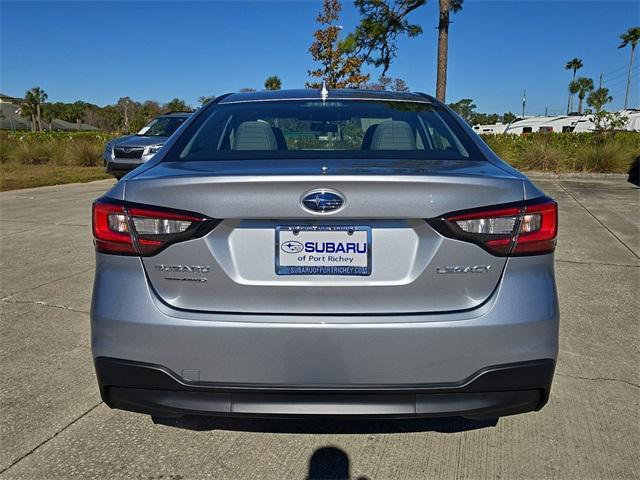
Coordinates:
<point>330,463</point>
<point>325,425</point>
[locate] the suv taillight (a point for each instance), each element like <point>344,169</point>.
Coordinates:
<point>124,229</point>
<point>524,228</point>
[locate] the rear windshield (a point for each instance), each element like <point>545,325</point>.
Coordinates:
<point>331,129</point>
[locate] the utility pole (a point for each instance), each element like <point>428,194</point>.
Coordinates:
<point>600,84</point>
<point>524,101</point>
<point>545,111</point>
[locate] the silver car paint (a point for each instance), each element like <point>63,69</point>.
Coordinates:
<point>405,253</point>
<point>517,322</point>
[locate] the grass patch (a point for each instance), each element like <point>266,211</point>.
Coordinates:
<point>59,148</point>
<point>14,176</point>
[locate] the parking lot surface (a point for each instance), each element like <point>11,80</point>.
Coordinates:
<point>53,424</point>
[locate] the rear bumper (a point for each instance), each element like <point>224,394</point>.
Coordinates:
<point>493,392</point>
<point>173,362</point>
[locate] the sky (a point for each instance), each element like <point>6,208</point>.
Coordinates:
<point>148,50</point>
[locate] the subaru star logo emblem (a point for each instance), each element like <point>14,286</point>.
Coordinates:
<point>323,201</point>
<point>291,246</point>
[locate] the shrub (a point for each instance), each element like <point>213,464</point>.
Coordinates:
<point>7,148</point>
<point>605,157</point>
<point>561,152</point>
<point>35,153</point>
<point>84,152</point>
<point>542,155</point>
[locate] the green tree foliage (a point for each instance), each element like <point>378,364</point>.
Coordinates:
<point>28,110</point>
<point>33,101</point>
<point>466,109</point>
<point>382,22</point>
<point>574,64</point>
<point>177,105</point>
<point>339,66</point>
<point>124,103</point>
<point>581,86</point>
<point>604,121</point>
<point>205,99</point>
<point>599,98</point>
<point>508,117</point>
<point>109,118</point>
<point>630,37</point>
<point>273,83</point>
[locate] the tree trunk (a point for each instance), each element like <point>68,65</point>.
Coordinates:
<point>38,117</point>
<point>626,95</point>
<point>126,118</point>
<point>580,105</point>
<point>571,94</point>
<point>443,46</point>
<point>33,122</point>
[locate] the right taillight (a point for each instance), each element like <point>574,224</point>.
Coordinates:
<point>139,229</point>
<point>525,228</point>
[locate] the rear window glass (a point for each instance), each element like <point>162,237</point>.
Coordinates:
<point>330,129</point>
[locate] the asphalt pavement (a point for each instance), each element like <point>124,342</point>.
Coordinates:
<point>53,424</point>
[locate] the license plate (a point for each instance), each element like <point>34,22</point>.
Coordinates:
<point>323,250</point>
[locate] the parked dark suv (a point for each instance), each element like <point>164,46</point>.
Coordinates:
<point>123,154</point>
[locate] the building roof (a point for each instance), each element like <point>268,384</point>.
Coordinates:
<point>10,119</point>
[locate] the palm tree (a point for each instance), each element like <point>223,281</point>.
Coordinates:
<point>574,64</point>
<point>34,98</point>
<point>582,86</point>
<point>273,83</point>
<point>630,37</point>
<point>599,98</point>
<point>446,7</point>
<point>27,110</point>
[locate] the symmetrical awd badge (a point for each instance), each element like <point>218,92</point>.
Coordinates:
<point>322,201</point>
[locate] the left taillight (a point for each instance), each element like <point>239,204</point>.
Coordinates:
<point>143,230</point>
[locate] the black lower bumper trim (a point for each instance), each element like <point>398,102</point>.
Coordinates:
<point>490,393</point>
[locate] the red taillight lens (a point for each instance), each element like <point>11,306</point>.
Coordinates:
<point>538,229</point>
<point>527,228</point>
<point>120,229</point>
<point>110,228</point>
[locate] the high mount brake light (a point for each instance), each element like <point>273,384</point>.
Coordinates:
<point>143,230</point>
<point>524,228</point>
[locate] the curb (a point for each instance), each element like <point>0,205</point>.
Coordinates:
<point>577,175</point>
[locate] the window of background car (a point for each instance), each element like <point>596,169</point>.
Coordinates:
<point>329,129</point>
<point>162,127</point>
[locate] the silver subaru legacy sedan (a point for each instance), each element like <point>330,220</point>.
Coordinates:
<point>344,252</point>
